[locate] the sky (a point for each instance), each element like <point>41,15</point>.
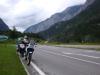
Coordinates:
<point>24,13</point>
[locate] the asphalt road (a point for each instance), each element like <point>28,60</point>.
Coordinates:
<point>66,61</point>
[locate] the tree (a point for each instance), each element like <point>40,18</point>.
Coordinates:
<point>13,33</point>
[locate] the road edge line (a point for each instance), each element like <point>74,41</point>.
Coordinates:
<point>81,55</point>
<point>24,66</point>
<point>37,69</point>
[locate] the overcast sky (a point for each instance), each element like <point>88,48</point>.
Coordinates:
<point>23,13</point>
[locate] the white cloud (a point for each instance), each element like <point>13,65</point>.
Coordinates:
<point>23,13</point>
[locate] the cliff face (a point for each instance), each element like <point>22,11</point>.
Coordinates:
<point>3,26</point>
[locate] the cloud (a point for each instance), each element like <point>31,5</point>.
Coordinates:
<point>23,13</point>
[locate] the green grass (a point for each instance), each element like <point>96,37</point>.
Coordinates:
<point>9,61</point>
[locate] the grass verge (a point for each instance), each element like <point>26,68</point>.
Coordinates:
<point>9,61</point>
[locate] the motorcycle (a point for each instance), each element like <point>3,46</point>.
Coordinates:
<point>22,50</point>
<point>29,52</point>
<point>29,57</point>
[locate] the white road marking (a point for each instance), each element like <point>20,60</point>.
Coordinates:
<point>37,69</point>
<point>72,57</point>
<point>90,51</point>
<point>81,55</point>
<point>98,52</point>
<point>24,66</point>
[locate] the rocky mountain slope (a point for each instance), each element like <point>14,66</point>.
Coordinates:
<point>3,26</point>
<point>67,14</point>
<point>85,27</point>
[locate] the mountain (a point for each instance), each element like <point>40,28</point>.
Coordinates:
<point>85,27</point>
<point>3,26</point>
<point>67,14</point>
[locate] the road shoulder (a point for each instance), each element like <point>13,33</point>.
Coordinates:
<point>29,69</point>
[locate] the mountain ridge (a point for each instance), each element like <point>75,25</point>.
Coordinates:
<point>84,27</point>
<point>3,26</point>
<point>67,14</point>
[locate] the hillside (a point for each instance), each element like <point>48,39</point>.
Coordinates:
<point>85,27</point>
<point>3,26</point>
<point>67,14</point>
